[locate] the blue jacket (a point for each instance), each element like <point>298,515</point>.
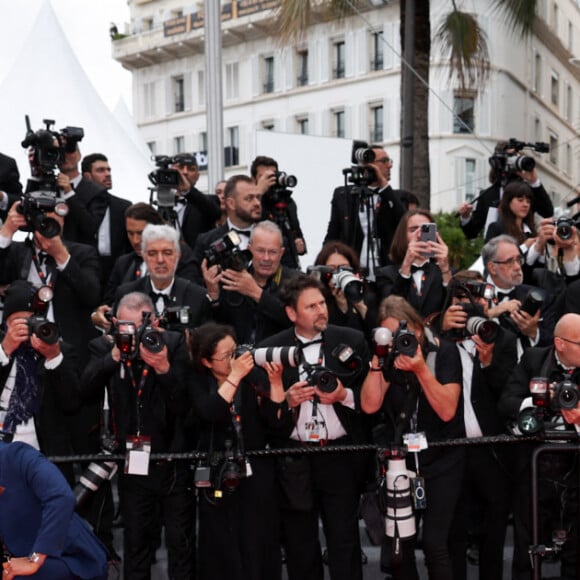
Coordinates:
<point>37,514</point>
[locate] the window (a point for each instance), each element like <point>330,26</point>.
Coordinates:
<point>152,147</point>
<point>568,168</point>
<point>377,51</point>
<point>555,88</point>
<point>149,104</point>
<point>470,179</point>
<point>554,149</point>
<point>302,125</point>
<point>338,69</point>
<point>555,18</point>
<point>268,125</point>
<point>178,145</point>
<point>463,114</point>
<point>568,103</point>
<point>537,129</point>
<point>178,94</point>
<point>232,81</point>
<point>570,43</point>
<point>302,69</point>
<point>537,83</point>
<point>203,141</point>
<point>232,146</point>
<point>269,74</point>
<point>339,124</point>
<point>376,128</point>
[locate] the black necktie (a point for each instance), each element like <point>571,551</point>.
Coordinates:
<point>156,295</point>
<point>181,200</point>
<point>417,268</point>
<point>310,342</point>
<point>42,256</point>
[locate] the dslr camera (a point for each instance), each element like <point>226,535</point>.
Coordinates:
<point>477,322</point>
<point>38,324</point>
<point>342,277</point>
<point>128,337</point>
<point>40,197</point>
<point>359,173</point>
<point>225,252</point>
<point>175,318</point>
<point>565,227</point>
<point>508,164</point>
<point>275,200</point>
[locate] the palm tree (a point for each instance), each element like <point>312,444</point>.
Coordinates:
<point>459,38</point>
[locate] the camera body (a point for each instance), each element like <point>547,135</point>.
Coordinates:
<point>565,395</point>
<point>175,318</point>
<point>128,337</point>
<point>476,323</point>
<point>225,253</point>
<point>404,341</point>
<point>565,227</point>
<point>342,277</point>
<point>359,173</point>
<point>165,181</point>
<point>505,163</point>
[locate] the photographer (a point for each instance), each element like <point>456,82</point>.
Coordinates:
<point>10,186</point>
<point>248,299</point>
<point>324,397</point>
<point>558,471</point>
<point>161,251</point>
<point>420,269</point>
<point>243,209</point>
<point>279,207</point>
<point>239,531</point>
<point>474,221</point>
<point>488,354</point>
<point>146,370</point>
<point>365,218</point>
<point>344,311</point>
<point>420,400</point>
<point>196,212</point>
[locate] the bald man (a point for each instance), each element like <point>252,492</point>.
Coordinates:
<point>556,363</point>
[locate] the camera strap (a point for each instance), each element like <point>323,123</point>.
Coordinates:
<point>43,275</point>
<point>138,388</point>
<point>236,415</point>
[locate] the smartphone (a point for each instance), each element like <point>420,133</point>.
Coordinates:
<point>428,234</point>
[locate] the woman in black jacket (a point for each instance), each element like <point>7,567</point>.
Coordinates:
<point>235,408</point>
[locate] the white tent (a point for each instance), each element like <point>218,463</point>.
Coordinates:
<point>47,81</point>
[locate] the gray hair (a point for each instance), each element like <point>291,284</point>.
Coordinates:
<point>152,233</point>
<point>489,251</point>
<point>266,226</point>
<point>136,302</point>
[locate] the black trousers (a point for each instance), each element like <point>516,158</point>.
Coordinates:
<point>335,483</point>
<point>167,491</point>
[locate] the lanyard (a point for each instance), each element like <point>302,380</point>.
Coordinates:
<point>138,389</point>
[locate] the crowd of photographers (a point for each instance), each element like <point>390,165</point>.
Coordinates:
<point>185,324</point>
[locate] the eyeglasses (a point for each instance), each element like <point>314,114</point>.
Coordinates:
<point>385,160</point>
<point>519,260</point>
<point>226,356</point>
<point>568,340</point>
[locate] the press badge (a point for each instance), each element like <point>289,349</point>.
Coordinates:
<point>415,442</point>
<point>314,430</point>
<point>138,454</point>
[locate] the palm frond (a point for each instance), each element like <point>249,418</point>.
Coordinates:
<point>520,15</point>
<point>463,41</point>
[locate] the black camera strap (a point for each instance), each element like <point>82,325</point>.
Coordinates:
<point>138,388</point>
<point>236,415</point>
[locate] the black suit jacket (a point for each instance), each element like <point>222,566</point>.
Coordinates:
<point>126,268</point>
<point>201,213</point>
<point>183,293</point>
<point>85,212</point>
<point>77,289</point>
<point>490,197</point>
<point>202,244</point>
<point>9,181</point>
<point>344,224</point>
<point>433,293</point>
<point>333,336</point>
<point>163,400</point>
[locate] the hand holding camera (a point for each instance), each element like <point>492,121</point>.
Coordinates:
<point>298,393</point>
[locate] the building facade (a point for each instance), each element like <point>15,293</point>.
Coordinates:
<point>343,80</point>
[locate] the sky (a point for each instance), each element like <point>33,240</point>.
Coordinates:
<point>86,24</point>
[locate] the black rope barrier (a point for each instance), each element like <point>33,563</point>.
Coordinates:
<point>308,449</point>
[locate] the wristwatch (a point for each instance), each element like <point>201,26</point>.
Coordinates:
<point>34,558</point>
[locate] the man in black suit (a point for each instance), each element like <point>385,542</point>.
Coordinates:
<point>161,250</point>
<point>149,402</point>
<point>10,186</point>
<point>558,471</point>
<point>503,262</point>
<point>474,221</point>
<point>111,240</point>
<point>355,215</point>
<point>328,485</point>
<point>243,210</point>
<point>195,211</point>
<point>248,299</point>
<point>279,207</point>
<point>488,353</point>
